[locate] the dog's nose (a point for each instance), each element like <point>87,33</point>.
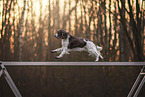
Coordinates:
<point>56,35</point>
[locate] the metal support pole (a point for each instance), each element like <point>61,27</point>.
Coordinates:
<point>1,71</point>
<point>139,88</point>
<point>9,80</point>
<point>138,84</point>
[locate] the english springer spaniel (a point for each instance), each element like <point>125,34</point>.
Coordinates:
<point>71,43</point>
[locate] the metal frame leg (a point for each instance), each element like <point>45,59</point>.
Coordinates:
<point>9,80</point>
<point>138,84</point>
<point>139,87</point>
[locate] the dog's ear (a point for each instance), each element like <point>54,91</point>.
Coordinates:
<point>64,34</point>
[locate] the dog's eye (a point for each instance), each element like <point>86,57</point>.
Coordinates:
<point>59,33</point>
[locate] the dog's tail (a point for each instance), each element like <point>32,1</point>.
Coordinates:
<point>99,48</point>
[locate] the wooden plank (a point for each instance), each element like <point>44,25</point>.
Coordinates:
<point>74,63</point>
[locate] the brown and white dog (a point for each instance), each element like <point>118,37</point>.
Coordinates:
<point>71,43</point>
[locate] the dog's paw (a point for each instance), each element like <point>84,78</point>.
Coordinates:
<point>97,59</point>
<point>52,51</point>
<point>57,57</point>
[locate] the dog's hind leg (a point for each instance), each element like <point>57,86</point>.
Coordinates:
<point>101,56</point>
<point>96,53</point>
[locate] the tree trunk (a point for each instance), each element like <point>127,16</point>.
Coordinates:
<point>64,18</point>
<point>49,41</point>
<point>57,15</point>
<point>106,34</point>
<point>86,25</point>
<point>81,24</point>
<point>110,30</point>
<point>76,21</point>
<point>114,51</point>
<point>69,16</point>
<point>121,37</point>
<point>20,33</point>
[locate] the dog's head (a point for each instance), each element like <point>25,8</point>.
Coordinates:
<point>61,34</point>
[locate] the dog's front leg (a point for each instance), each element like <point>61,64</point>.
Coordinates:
<point>64,51</point>
<point>57,50</point>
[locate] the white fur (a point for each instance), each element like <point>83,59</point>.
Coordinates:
<point>56,35</point>
<point>90,48</point>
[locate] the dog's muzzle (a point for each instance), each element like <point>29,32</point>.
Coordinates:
<point>56,35</point>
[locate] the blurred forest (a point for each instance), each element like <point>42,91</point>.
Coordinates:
<point>27,28</point>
